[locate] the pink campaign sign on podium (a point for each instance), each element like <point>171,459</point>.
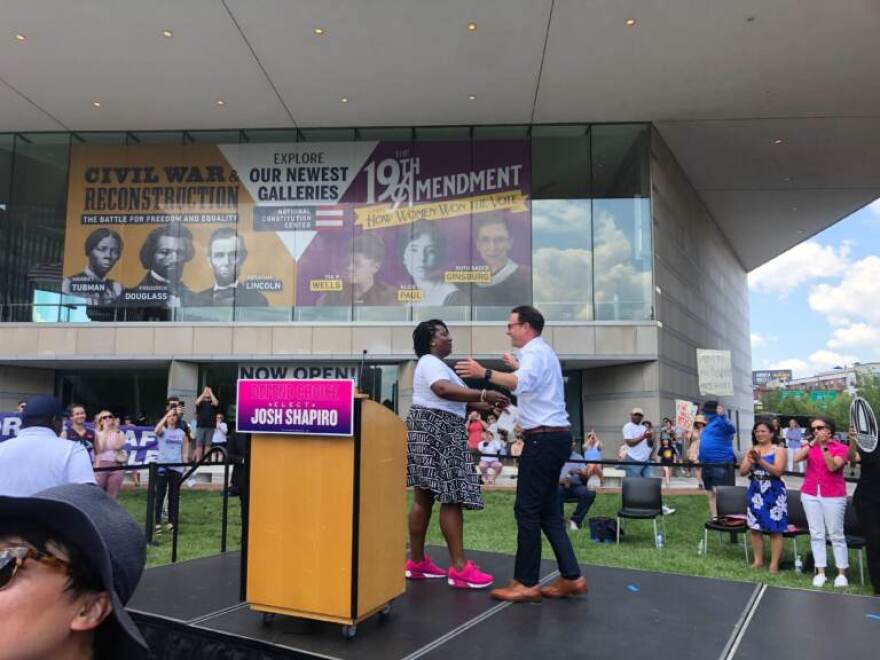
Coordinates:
<point>301,407</point>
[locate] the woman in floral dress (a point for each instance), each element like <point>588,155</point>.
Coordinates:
<point>767,511</point>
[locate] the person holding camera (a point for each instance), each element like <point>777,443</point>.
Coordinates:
<point>177,405</point>
<point>171,439</point>
<point>823,494</point>
<point>767,498</point>
<point>207,407</point>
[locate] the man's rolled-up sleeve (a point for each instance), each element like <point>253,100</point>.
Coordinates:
<point>527,374</point>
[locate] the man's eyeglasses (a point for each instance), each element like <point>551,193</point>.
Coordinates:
<point>511,325</point>
<point>12,559</point>
<point>818,428</point>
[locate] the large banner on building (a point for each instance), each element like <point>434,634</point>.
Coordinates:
<point>306,224</point>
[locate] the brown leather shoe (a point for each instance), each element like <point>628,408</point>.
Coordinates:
<point>517,592</point>
<point>563,588</point>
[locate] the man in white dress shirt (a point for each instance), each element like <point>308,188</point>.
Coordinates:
<point>537,383</point>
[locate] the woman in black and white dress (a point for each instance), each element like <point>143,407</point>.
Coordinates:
<point>439,465</point>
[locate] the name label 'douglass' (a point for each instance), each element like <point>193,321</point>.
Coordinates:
<point>301,407</point>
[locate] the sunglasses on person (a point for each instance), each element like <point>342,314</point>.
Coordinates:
<point>103,417</point>
<point>820,427</point>
<point>13,558</point>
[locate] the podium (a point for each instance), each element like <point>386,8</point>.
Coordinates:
<point>327,521</point>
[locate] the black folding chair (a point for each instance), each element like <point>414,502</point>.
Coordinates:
<point>855,540</point>
<point>797,520</point>
<point>730,501</point>
<point>641,499</point>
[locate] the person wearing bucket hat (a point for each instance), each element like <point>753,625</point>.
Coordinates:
<point>70,558</point>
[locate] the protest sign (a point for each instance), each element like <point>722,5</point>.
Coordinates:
<point>714,372</point>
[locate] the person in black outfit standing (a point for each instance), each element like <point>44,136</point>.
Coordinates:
<point>867,502</point>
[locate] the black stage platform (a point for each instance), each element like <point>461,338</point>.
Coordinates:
<point>192,610</point>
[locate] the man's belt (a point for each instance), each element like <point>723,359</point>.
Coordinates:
<point>547,429</point>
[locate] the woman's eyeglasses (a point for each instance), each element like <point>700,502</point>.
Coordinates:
<point>818,428</point>
<point>12,559</point>
<point>103,417</point>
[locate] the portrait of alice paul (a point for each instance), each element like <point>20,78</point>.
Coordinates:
<point>423,255</point>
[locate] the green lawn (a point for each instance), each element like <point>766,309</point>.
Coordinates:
<point>494,529</point>
<point>199,524</point>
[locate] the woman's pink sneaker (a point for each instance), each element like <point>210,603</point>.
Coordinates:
<point>423,570</point>
<point>470,577</point>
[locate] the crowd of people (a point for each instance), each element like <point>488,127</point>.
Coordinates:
<point>83,554</point>
<point>103,443</point>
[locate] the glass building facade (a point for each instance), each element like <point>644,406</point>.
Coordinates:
<point>555,215</point>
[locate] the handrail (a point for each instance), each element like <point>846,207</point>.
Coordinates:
<point>224,524</point>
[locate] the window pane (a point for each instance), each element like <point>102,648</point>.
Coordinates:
<point>215,137</point>
<point>7,142</point>
<point>561,233</point>
<point>622,238</point>
<point>270,135</point>
<point>620,161</point>
<point>156,137</point>
<point>622,223</point>
<point>37,222</point>
<point>327,135</point>
<point>100,137</point>
<point>403,134</point>
<point>562,259</point>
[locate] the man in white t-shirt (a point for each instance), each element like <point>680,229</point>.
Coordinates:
<point>37,458</point>
<point>637,448</point>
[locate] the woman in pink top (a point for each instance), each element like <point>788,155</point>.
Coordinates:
<point>823,495</point>
<point>109,440</point>
<point>475,428</point>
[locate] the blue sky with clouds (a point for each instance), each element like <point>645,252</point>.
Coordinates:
<point>817,306</point>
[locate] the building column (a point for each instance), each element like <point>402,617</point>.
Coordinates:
<point>183,382</point>
<point>17,383</point>
<point>609,393</point>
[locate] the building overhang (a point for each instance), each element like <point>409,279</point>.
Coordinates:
<point>772,109</point>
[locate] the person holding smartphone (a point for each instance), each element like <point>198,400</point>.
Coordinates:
<point>823,494</point>
<point>207,407</point>
<point>179,407</point>
<point>171,439</point>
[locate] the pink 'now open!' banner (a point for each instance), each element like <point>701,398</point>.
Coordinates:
<point>303,407</point>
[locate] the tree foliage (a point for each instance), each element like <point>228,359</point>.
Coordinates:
<point>867,386</point>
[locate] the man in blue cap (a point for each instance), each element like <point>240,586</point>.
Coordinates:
<point>37,458</point>
<point>70,558</point>
<point>716,449</point>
